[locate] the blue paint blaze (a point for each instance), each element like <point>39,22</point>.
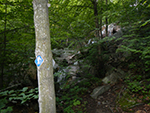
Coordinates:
<point>38,61</point>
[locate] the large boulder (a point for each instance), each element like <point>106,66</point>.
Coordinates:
<point>99,90</point>
<point>112,78</point>
<point>64,55</point>
<point>113,75</point>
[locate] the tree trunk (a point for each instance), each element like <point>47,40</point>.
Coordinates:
<point>96,17</point>
<point>43,49</point>
<point>4,49</point>
<point>106,21</point>
<point>101,36</point>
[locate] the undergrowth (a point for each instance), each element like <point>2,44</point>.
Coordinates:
<point>70,100</point>
<point>13,97</point>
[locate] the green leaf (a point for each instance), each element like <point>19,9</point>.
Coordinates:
<point>25,89</point>
<point>30,95</point>
<point>23,101</point>
<point>17,98</point>
<point>22,94</point>
<point>7,110</point>
<point>145,23</point>
<point>11,91</point>
<point>3,103</point>
<point>10,98</point>
<point>31,91</point>
<point>13,95</point>
<point>35,96</point>
<point>4,93</point>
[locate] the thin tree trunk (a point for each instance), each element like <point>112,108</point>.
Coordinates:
<point>106,21</point>
<point>4,50</point>
<point>101,36</point>
<point>96,17</point>
<point>43,49</point>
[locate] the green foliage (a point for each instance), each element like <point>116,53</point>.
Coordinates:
<point>76,102</point>
<point>136,42</point>
<point>72,99</point>
<point>22,96</point>
<point>68,20</point>
<point>126,101</point>
<point>136,84</point>
<point>3,106</point>
<point>17,39</point>
<point>95,57</point>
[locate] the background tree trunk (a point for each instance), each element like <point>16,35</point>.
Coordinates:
<point>43,48</point>
<point>95,2</point>
<point>4,49</point>
<point>106,21</point>
<point>101,24</point>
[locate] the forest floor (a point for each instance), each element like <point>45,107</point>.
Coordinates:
<point>107,102</point>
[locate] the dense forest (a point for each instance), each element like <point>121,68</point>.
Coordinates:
<point>90,40</point>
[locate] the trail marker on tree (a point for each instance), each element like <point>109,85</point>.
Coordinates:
<point>43,55</point>
<point>39,60</point>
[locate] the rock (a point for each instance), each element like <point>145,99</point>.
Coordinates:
<point>61,74</point>
<point>55,65</point>
<point>140,111</point>
<point>64,55</point>
<point>122,73</point>
<point>118,34</point>
<point>113,28</point>
<point>112,78</point>
<point>113,75</point>
<point>70,70</point>
<point>99,90</point>
<point>73,70</point>
<point>62,52</point>
<point>57,53</point>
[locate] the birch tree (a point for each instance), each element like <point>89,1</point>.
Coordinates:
<point>44,57</point>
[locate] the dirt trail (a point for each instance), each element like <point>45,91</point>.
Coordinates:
<point>106,103</point>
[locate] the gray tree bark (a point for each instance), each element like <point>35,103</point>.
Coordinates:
<point>43,48</point>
